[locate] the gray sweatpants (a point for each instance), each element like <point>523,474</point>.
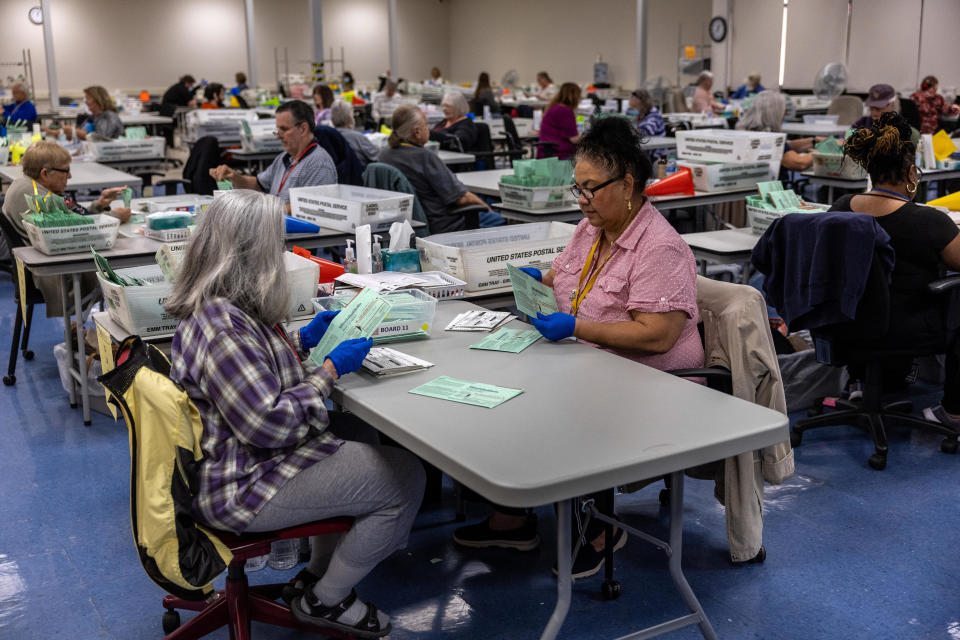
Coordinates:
<point>381,487</point>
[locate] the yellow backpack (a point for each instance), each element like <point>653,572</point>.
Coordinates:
<point>164,426</point>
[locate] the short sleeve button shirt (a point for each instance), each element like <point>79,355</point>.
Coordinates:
<point>651,270</point>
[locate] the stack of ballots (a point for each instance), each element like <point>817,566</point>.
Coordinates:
<point>772,202</point>
<point>537,184</point>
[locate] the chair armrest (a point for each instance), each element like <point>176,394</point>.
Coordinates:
<point>471,213</point>
<point>718,378</point>
<point>944,284</point>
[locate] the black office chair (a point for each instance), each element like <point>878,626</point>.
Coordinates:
<point>867,341</point>
<point>485,153</point>
<point>910,113</point>
<point>33,297</point>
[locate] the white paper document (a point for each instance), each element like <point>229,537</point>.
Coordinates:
<point>384,361</point>
<point>479,320</point>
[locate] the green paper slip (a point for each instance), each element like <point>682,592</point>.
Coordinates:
<point>766,187</point>
<point>531,296</point>
<point>127,196</point>
<point>224,185</point>
<point>475,393</point>
<point>509,340</point>
<point>359,319</point>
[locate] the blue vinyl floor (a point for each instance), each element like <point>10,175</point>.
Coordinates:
<point>852,552</point>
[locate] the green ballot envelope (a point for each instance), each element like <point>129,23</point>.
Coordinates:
<point>509,340</point>
<point>359,319</point>
<point>531,296</point>
<point>475,393</point>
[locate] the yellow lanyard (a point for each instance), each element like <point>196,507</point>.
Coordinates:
<point>577,298</point>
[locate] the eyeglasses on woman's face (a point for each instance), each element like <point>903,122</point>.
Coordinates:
<point>590,192</point>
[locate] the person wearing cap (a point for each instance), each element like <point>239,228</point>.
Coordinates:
<point>882,98</point>
<point>932,105</point>
<point>750,87</point>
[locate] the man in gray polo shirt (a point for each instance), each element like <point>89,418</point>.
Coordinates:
<point>304,162</point>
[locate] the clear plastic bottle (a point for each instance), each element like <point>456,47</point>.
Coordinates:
<point>349,261</point>
<point>376,257</point>
<point>671,164</point>
<point>255,564</point>
<point>284,554</point>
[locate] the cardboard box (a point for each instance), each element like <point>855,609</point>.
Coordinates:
<point>102,234</point>
<point>722,145</point>
<point>480,257</point>
<point>725,176</point>
<point>345,207</point>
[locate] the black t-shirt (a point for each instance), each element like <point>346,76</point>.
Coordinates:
<point>178,95</point>
<point>917,234</point>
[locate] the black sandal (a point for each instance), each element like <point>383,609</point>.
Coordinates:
<point>307,609</point>
<point>295,588</point>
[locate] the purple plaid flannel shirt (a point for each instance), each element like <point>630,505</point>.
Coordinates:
<point>263,412</point>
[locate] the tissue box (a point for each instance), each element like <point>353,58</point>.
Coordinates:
<point>725,176</point>
<point>345,207</point>
<point>480,256</point>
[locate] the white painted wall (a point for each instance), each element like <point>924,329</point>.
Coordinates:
<point>671,24</point>
<point>144,44</point>
<point>816,35</point>
<point>562,37</point>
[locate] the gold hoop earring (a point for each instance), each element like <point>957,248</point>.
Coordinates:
<point>912,187</point>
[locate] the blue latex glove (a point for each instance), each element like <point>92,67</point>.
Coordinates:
<point>310,335</point>
<point>533,272</point>
<point>90,127</point>
<point>555,326</point>
<point>348,355</point>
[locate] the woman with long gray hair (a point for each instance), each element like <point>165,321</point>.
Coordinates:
<point>765,113</point>
<point>273,457</point>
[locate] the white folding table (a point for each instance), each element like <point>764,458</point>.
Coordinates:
<point>587,420</point>
<point>84,175</point>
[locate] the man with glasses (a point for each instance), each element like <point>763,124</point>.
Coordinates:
<point>304,163</point>
<point>46,169</point>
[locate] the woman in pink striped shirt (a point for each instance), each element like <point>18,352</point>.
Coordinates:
<point>626,283</point>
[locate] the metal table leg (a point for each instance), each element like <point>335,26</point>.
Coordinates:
<point>81,368</point>
<point>65,309</point>
<point>564,580</point>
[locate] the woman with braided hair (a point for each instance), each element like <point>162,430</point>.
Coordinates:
<point>926,242</point>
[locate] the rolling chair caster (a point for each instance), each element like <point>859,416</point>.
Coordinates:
<point>878,461</point>
<point>815,409</point>
<point>610,589</point>
<point>796,437</point>
<point>664,497</point>
<point>9,380</point>
<point>949,445</point>
<point>171,621</point>
<point>28,355</point>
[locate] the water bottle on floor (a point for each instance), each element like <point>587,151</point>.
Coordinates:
<point>255,564</point>
<point>284,554</point>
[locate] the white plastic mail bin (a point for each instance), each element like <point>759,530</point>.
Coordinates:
<point>151,148</point>
<point>760,218</point>
<point>302,278</point>
<point>345,207</point>
<point>836,165</point>
<point>140,310</point>
<point>722,145</point>
<point>411,314</point>
<point>102,234</point>
<point>259,136</point>
<point>535,197</point>
<point>725,176</point>
<point>480,257</point>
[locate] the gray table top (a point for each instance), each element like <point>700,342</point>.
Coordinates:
<point>587,420</point>
<point>929,175</point>
<point>455,157</point>
<point>84,175</point>
<point>723,241</point>
<point>804,129</point>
